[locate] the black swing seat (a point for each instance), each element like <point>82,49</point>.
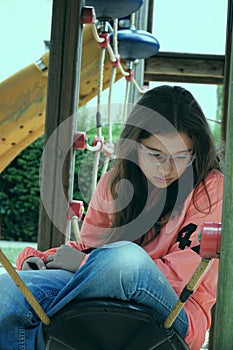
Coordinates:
<point>109,325</point>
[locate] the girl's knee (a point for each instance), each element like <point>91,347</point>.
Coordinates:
<point>124,256</point>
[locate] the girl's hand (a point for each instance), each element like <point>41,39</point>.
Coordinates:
<point>33,263</point>
<point>65,258</point>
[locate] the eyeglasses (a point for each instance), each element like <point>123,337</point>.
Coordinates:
<point>181,160</point>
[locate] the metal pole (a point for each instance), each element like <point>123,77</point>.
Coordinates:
<point>141,21</point>
<point>223,338</point>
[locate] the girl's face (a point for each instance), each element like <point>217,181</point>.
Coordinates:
<point>164,158</point>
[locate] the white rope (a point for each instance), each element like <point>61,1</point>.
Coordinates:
<point>125,112</point>
<point>105,165</point>
<point>115,41</point>
<point>98,120</point>
<point>113,57</point>
<point>95,171</point>
<point>100,88</point>
<point>141,91</point>
<point>123,72</point>
<point>111,54</point>
<point>105,147</point>
<point>74,221</point>
<point>96,34</point>
<point>95,148</point>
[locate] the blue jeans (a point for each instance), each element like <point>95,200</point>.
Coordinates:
<point>120,270</point>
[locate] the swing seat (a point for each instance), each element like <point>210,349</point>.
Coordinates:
<point>109,325</point>
<point>112,9</point>
<point>136,44</point>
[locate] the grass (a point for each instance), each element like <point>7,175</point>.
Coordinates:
<point>11,253</point>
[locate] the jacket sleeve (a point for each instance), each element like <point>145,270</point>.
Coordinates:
<point>94,227</point>
<point>182,258</point>
<point>28,252</point>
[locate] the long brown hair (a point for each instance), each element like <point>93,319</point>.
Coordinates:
<point>161,110</point>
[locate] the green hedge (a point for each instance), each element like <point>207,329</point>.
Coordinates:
<point>20,192</point>
<point>20,195</point>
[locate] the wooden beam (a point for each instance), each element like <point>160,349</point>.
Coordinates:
<point>186,68</point>
<point>60,123</point>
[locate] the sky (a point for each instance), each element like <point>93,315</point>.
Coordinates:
<point>179,26</point>
<point>194,27</point>
<point>24,25</point>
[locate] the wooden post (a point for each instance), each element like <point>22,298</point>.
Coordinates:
<point>223,338</point>
<point>62,102</point>
<point>226,82</point>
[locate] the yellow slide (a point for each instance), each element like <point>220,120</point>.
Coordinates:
<point>23,99</point>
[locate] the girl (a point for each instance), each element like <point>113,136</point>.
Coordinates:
<point>143,220</point>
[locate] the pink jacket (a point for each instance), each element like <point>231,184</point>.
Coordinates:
<point>174,250</point>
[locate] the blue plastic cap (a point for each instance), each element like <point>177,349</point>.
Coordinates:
<point>107,10</point>
<point>136,44</point>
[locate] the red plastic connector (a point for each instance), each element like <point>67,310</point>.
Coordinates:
<point>117,62</point>
<point>210,240</point>
<point>99,139</point>
<point>88,15</point>
<point>130,76</point>
<point>145,87</point>
<point>106,42</point>
<point>76,209</point>
<point>80,139</point>
<point>108,149</point>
